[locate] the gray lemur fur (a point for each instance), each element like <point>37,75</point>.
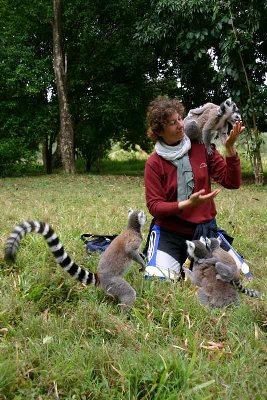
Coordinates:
<point>217,282</point>
<point>113,263</point>
<point>212,292</point>
<point>202,123</point>
<point>226,267</point>
<point>118,257</point>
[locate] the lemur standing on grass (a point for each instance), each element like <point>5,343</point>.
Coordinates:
<point>113,262</point>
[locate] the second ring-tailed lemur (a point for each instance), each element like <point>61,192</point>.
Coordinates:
<point>113,262</point>
<point>204,122</point>
<point>208,274</point>
<point>226,267</point>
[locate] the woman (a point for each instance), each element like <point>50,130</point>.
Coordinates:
<point>178,188</point>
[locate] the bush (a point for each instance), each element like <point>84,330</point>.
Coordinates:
<point>14,157</point>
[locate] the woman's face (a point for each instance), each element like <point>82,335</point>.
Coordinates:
<point>173,130</point>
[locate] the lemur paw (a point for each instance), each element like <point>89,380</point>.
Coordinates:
<point>209,151</point>
<point>142,255</point>
<point>218,277</point>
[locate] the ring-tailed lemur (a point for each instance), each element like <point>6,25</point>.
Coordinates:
<point>226,267</point>
<point>113,262</point>
<point>204,122</point>
<point>209,273</point>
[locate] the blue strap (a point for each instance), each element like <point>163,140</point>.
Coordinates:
<point>241,259</point>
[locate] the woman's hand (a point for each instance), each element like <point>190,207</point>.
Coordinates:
<point>198,198</point>
<point>201,198</point>
<point>232,138</point>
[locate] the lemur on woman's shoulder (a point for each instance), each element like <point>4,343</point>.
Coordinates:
<point>203,123</point>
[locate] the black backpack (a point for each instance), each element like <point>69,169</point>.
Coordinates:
<point>96,242</point>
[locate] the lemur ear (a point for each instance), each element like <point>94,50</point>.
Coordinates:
<point>202,240</point>
<point>190,247</point>
<point>219,239</point>
<point>141,217</point>
<point>221,110</point>
<point>228,102</point>
<point>208,243</point>
<point>130,211</point>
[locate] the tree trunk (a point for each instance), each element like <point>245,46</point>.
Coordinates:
<point>88,165</point>
<point>255,157</point>
<point>47,155</point>
<point>66,128</point>
<point>257,167</point>
<point>56,157</point>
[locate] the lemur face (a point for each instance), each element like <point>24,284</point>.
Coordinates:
<point>197,249</point>
<point>229,108</point>
<point>236,116</point>
<point>190,248</point>
<point>139,216</point>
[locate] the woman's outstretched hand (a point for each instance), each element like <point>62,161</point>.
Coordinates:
<point>198,198</point>
<point>201,198</point>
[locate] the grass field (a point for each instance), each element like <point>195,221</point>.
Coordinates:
<point>59,340</point>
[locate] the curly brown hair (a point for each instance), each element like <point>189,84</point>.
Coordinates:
<point>158,113</point>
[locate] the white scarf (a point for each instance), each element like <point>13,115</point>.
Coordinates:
<point>178,155</point>
<point>171,153</point>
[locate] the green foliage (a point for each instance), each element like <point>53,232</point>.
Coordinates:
<point>219,50</point>
<point>201,32</point>
<point>16,158</point>
<point>91,143</point>
<point>119,56</point>
<point>26,78</point>
<point>242,57</point>
<point>108,88</point>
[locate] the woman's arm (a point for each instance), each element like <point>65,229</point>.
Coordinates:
<point>156,199</point>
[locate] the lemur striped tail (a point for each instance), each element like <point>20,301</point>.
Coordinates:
<point>55,246</point>
<point>248,292</point>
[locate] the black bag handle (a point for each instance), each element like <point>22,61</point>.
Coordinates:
<point>86,237</point>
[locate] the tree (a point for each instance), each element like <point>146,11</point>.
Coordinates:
<point>26,76</point>
<point>109,75</point>
<point>228,38</point>
<point>179,32</point>
<point>242,59</point>
<point>66,128</point>
<point>120,56</point>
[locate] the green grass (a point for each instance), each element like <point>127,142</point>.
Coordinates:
<point>129,167</point>
<point>59,340</point>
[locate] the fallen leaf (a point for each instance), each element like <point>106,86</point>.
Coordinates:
<point>212,346</point>
<point>224,384</point>
<point>47,339</point>
<point>178,347</point>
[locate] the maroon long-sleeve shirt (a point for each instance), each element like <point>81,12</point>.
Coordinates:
<point>161,187</point>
